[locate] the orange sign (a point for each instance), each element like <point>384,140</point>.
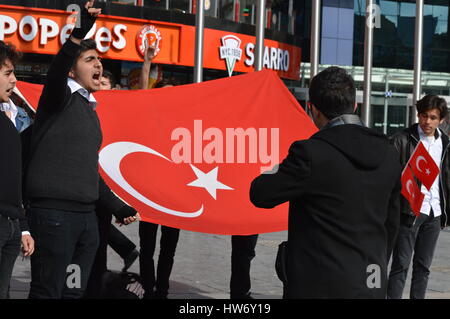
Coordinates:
<point>44,31</point>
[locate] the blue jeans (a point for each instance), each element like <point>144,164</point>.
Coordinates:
<point>62,239</point>
<point>10,239</point>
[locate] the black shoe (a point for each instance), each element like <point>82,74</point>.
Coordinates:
<point>129,260</point>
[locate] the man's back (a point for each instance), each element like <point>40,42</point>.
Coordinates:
<point>343,187</point>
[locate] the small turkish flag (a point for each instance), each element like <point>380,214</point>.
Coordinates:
<point>411,191</point>
<point>423,166</point>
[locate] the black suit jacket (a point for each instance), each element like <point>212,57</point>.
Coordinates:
<point>343,186</point>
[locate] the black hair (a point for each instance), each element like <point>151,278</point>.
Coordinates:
<point>165,82</point>
<point>431,102</point>
<point>333,92</point>
<point>107,74</point>
<point>85,45</point>
<point>9,52</point>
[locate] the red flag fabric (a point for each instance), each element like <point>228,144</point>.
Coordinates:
<point>411,191</point>
<point>31,92</point>
<point>423,166</point>
<point>185,156</point>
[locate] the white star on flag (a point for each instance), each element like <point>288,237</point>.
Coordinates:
<point>208,181</point>
<point>427,171</point>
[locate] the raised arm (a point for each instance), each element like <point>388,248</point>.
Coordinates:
<point>145,72</point>
<point>56,92</point>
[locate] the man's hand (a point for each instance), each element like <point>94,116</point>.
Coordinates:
<point>27,245</point>
<point>129,220</point>
<point>87,18</point>
<point>92,11</point>
<point>149,53</point>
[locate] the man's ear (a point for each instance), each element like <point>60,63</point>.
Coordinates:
<point>71,73</point>
<point>356,106</point>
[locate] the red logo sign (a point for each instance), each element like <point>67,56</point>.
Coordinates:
<point>149,35</point>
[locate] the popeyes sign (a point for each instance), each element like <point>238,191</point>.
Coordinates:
<point>43,31</point>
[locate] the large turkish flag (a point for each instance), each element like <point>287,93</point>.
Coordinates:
<point>185,156</point>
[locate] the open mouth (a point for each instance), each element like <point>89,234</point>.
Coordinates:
<point>96,78</point>
<point>9,91</point>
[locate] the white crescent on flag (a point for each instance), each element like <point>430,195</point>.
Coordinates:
<point>408,184</point>
<point>110,158</point>
<point>420,158</point>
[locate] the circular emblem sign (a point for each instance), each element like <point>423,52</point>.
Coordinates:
<point>149,35</point>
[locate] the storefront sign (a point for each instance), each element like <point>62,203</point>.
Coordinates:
<point>44,31</point>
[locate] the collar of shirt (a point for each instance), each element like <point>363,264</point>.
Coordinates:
<point>423,136</point>
<point>11,107</point>
<point>75,87</point>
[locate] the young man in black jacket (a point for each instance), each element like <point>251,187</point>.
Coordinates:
<point>420,234</point>
<point>343,186</point>
<point>63,186</point>
<point>13,225</point>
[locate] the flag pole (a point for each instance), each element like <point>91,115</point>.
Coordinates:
<point>368,45</point>
<point>315,38</point>
<point>418,47</point>
<point>260,28</point>
<point>199,33</point>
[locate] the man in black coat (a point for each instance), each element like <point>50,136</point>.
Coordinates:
<point>13,225</point>
<point>343,185</point>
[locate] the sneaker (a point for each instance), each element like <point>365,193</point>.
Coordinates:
<point>129,260</point>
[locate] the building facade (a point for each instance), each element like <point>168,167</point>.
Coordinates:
<point>230,37</point>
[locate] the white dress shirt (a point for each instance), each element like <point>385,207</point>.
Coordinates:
<point>432,199</point>
<point>11,107</point>
<point>75,87</point>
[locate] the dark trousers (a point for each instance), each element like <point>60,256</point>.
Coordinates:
<point>421,239</point>
<point>10,239</point>
<point>168,245</point>
<point>109,235</point>
<point>66,244</point>
<point>242,253</point>
<point>99,267</point>
<point>119,242</point>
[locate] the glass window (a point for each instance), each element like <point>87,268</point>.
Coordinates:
<point>441,27</point>
<point>182,5</point>
<point>427,10</point>
<point>360,7</point>
<point>391,21</point>
<point>226,9</point>
<point>155,4</point>
<point>389,7</point>
<point>405,31</point>
<point>440,12</point>
<point>387,34</point>
<point>248,11</point>
<point>407,9</point>
<point>133,2</point>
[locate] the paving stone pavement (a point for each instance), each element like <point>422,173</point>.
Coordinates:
<point>203,265</point>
